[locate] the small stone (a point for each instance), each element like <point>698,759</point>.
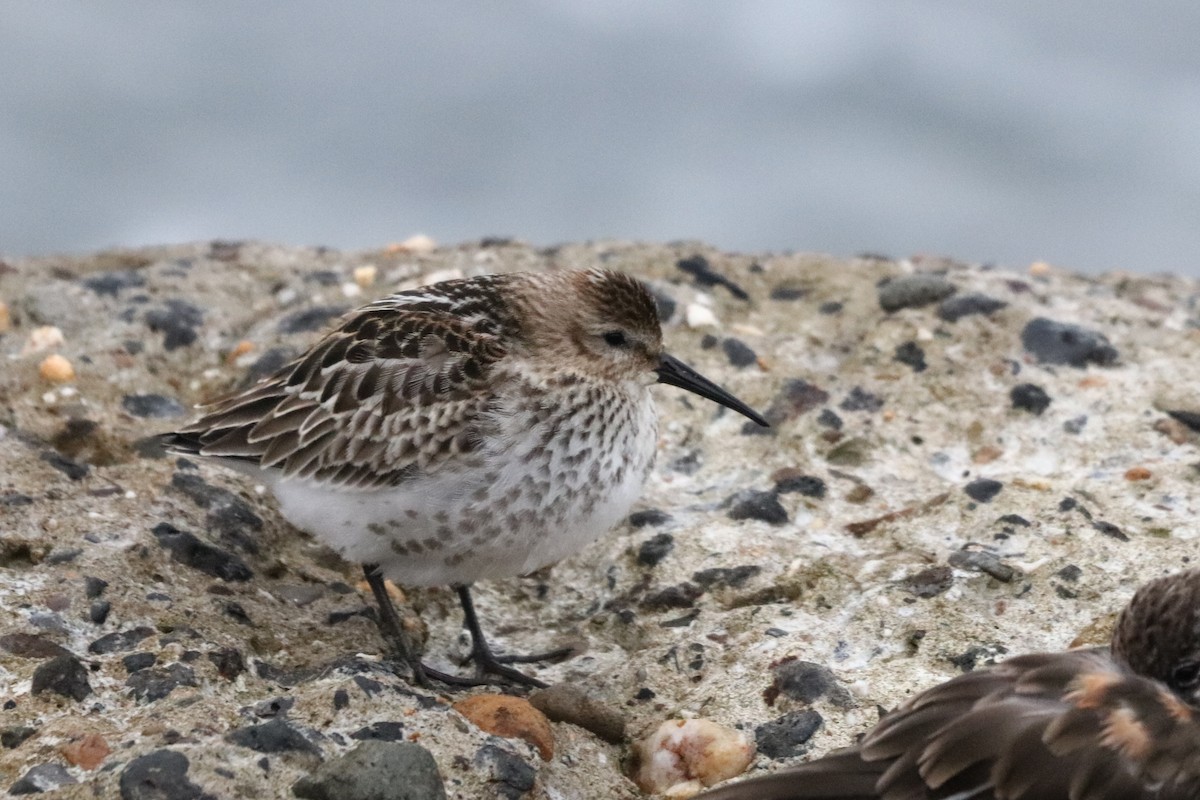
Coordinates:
<point>177,322</point>
<point>365,275</point>
<point>138,661</point>
<point>913,355</point>
<point>14,735</point>
<point>56,369</point>
<point>861,400</point>
<point>983,490</point>
<point>786,291</point>
<point>930,582</point>
<point>1060,343</point>
<point>565,702</point>
<point>734,577</point>
<point>788,736</point>
<point>650,516</point>
<point>1190,419</point>
<point>700,316</point>
<point>228,661</point>
<point>510,717</point>
<point>983,561</point>
<point>955,308</point>
<point>153,406</point>
<point>72,469</point>
<point>375,770</point>
<point>150,685</point>
<point>512,777</point>
<point>87,752</point>
<point>63,675</point>
<point>682,753</point>
<point>790,480</point>
<point>187,549</point>
<point>807,682</point>
<point>797,397</point>
<point>764,506</point>
<point>828,418</point>
<point>31,645</point>
<point>160,775</point>
<point>1138,474</point>
<point>914,291</point>
<point>830,308</point>
<point>1070,573</point>
<point>120,640</point>
<point>276,736</point>
<point>42,778</point>
<point>655,549</point>
<point>683,595</point>
<point>1110,530</point>
<point>739,353</point>
<point>43,338</point>
<point>1076,424</point>
<point>386,731</point>
<point>111,283</point>
<point>1030,397</point>
<point>98,611</point>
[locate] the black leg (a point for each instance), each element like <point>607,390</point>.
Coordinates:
<point>481,654</point>
<point>392,628</point>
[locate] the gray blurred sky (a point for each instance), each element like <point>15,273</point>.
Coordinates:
<point>1006,132</point>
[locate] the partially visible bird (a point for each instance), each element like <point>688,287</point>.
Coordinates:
<point>1120,723</point>
<point>472,429</point>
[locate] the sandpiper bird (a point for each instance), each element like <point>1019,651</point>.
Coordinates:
<point>1121,723</point>
<point>472,429</point>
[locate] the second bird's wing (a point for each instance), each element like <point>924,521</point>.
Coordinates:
<point>1061,726</point>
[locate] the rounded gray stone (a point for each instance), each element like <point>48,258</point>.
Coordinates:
<point>376,770</point>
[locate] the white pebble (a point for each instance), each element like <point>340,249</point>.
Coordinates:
<point>684,755</point>
<point>699,316</point>
<point>43,338</point>
<point>351,290</point>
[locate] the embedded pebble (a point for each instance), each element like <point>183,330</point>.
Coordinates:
<point>112,283</point>
<point>930,582</point>
<point>160,775</point>
<point>983,490</point>
<point>655,549</point>
<point>764,506</point>
<point>788,480</point>
<point>375,770</point>
<point>739,353</point>
<point>510,717</point>
<point>31,645</point>
<point>788,736</point>
<point>154,406</point>
<point>699,316</point>
<point>982,561</point>
<point>797,397</point>
<point>1061,343</point>
<point>63,675</point>
<point>703,273</point>
<point>177,322</point>
<point>508,774</point>
<point>913,355</point>
<point>686,754</point>
<point>56,369</point>
<point>187,549</point>
<point>119,641</point>
<point>649,516</point>
<point>1030,397</point>
<point>806,682</point>
<point>565,702</point>
<point>955,308</point>
<point>275,736</point>
<point>43,337</point>
<point>86,752</point>
<point>365,275</point>
<point>42,778</point>
<point>149,685</point>
<point>913,291</point>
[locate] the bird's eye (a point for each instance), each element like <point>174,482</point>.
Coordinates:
<point>1186,676</point>
<point>615,339</point>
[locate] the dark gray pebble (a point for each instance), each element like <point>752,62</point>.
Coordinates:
<point>42,778</point>
<point>930,582</point>
<point>1076,425</point>
<point>983,561</point>
<point>14,735</point>
<point>31,645</point>
<point>94,587</point>
<point>683,595</point>
<point>275,736</point>
<point>828,418</point>
<point>310,319</point>
<point>787,292</point>
<point>341,699</point>
<point>111,283</point>
<point>968,660</point>
<point>764,506</point>
<point>739,353</point>
<point>119,641</point>
<point>1014,519</point>
<point>1110,530</point>
<point>830,308</point>
<point>1189,418</point>
<point>788,735</point>
<point>375,770</point>
<point>386,731</point>
<point>63,675</point>
<point>795,398</point>
<point>138,661</point>
<point>983,490</point>
<point>177,322</point>
<point>274,707</point>
<point>914,291</point>
<point>228,661</point>
<point>161,775</point>
<point>98,611</point>
<point>734,577</point>
<point>1029,397</point>
<point>955,308</point>
<point>807,682</point>
<point>860,399</point>
<point>807,485</point>
<point>655,549</point>
<point>150,685</point>
<point>187,549</point>
<point>14,499</point>
<point>911,354</point>
<point>702,272</point>
<point>154,406</point>
<point>1070,573</point>
<point>649,516</point>
<point>511,777</point>
<point>227,513</point>
<point>1060,343</point>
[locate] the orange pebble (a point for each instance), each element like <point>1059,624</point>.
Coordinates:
<point>510,717</point>
<point>1138,474</point>
<point>56,369</point>
<point>88,752</point>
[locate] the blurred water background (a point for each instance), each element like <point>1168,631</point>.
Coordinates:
<point>1005,132</point>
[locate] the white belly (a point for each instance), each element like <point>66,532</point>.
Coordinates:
<point>530,501</point>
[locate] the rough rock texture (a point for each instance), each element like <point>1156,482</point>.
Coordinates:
<point>888,579</point>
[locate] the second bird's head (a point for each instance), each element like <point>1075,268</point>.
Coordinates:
<point>605,324</point>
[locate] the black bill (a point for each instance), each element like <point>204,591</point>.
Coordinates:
<point>676,373</point>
